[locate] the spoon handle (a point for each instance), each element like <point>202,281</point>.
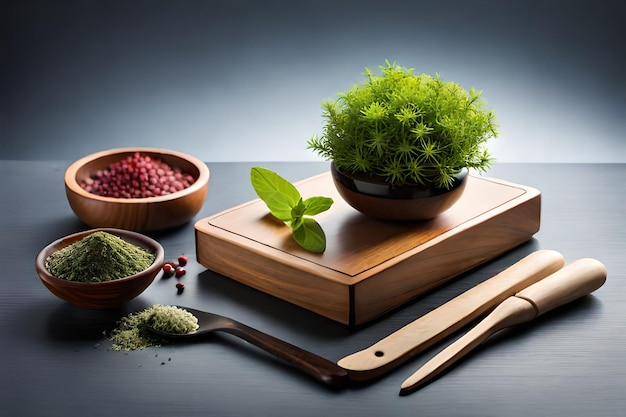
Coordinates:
<point>316,366</point>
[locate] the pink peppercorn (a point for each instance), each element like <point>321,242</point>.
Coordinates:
<point>137,176</point>
<point>168,269</point>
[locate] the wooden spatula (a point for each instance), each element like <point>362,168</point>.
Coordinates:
<point>573,281</point>
<point>417,336</point>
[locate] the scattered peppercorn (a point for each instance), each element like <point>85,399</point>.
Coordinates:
<point>168,270</point>
<point>180,271</point>
<point>180,287</point>
<point>137,176</point>
<point>182,260</point>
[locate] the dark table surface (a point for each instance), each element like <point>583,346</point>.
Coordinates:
<point>55,360</point>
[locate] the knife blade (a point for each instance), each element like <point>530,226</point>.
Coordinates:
<point>393,350</point>
<point>572,282</point>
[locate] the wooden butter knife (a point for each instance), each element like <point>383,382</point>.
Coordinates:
<point>415,337</point>
<point>572,282</point>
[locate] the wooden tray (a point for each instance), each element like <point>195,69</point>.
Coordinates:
<point>369,266</point>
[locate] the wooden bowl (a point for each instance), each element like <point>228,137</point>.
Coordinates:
<point>100,295</point>
<point>138,214</point>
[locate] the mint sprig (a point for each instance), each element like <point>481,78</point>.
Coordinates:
<point>286,204</point>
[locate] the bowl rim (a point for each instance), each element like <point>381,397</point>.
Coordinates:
<point>74,186</point>
<point>386,191</point>
<point>159,256</point>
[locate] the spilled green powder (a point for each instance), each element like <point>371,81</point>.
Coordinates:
<point>98,257</point>
<point>132,332</point>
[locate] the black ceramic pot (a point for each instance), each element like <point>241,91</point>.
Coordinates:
<point>399,203</point>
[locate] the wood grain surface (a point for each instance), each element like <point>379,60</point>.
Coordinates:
<point>369,266</point>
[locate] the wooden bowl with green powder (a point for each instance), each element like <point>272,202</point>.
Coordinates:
<point>100,268</point>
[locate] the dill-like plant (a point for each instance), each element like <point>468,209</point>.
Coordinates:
<point>406,129</point>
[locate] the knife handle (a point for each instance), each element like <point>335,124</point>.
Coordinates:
<point>450,317</point>
<point>578,279</point>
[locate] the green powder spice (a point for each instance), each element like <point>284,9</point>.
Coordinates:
<point>132,332</point>
<point>98,257</point>
<point>171,319</point>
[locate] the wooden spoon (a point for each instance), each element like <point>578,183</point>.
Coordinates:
<point>319,368</point>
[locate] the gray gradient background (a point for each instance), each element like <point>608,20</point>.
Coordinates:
<point>242,80</point>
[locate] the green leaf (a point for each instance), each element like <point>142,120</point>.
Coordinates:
<point>279,195</point>
<point>316,205</point>
<point>297,215</point>
<point>310,236</point>
<point>286,204</point>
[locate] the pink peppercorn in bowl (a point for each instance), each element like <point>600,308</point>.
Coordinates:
<point>163,190</point>
<point>101,295</point>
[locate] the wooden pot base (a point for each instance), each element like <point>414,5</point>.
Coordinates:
<point>369,266</point>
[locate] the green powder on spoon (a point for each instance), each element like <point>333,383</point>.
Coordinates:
<point>132,332</point>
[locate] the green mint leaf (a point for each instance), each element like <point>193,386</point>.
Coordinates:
<point>285,203</point>
<point>310,236</point>
<point>278,205</point>
<point>279,195</point>
<point>297,215</point>
<point>316,205</point>
<point>299,209</point>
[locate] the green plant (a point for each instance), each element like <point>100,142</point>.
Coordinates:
<point>406,128</point>
<point>285,203</point>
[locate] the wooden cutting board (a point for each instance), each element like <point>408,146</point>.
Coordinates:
<point>369,266</point>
